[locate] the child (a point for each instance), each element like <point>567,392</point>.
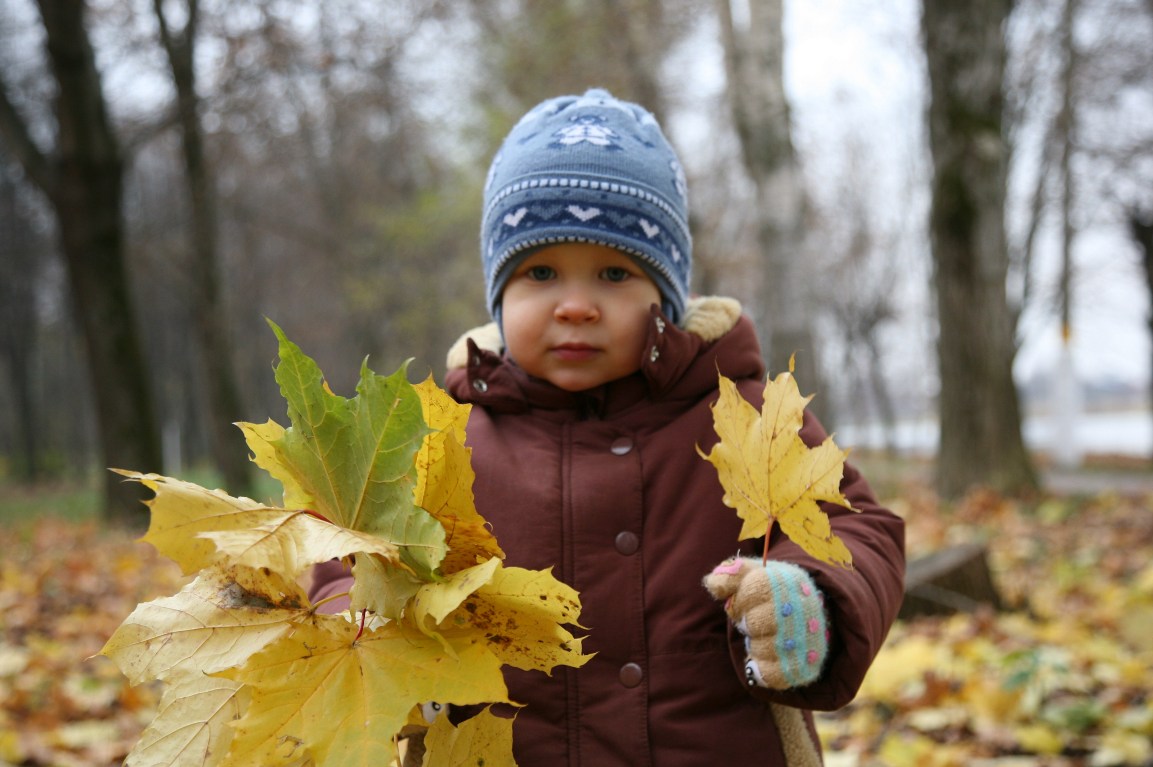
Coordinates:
<point>591,393</point>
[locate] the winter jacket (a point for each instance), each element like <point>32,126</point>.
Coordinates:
<point>606,487</point>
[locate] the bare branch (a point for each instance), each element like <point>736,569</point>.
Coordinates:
<point>16,138</point>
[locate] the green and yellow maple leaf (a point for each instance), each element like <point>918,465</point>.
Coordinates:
<point>770,475</point>
<point>263,439</point>
<point>351,460</point>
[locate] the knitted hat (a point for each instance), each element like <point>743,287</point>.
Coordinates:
<point>588,169</point>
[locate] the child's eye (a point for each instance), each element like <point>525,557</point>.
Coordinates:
<point>615,274</point>
<point>540,273</point>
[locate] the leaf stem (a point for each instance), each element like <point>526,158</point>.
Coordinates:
<point>317,514</point>
<point>330,598</point>
<point>360,632</point>
<point>765,552</point>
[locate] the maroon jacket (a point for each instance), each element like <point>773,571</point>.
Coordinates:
<point>607,488</point>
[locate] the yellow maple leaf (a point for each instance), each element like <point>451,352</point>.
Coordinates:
<point>516,613</point>
<point>329,692</point>
<point>181,511</point>
<point>288,542</point>
<point>192,725</point>
<point>445,478</point>
<point>209,625</point>
<point>484,739</point>
<point>770,475</point>
<point>434,601</point>
<point>520,613</point>
<point>195,527</point>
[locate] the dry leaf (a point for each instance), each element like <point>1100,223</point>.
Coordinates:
<point>770,475</point>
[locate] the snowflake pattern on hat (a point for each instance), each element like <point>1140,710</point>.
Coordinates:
<point>588,129</point>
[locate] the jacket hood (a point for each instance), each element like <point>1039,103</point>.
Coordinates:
<point>678,363</point>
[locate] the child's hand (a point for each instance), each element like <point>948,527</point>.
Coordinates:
<point>782,615</point>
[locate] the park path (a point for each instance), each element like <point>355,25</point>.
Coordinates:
<point>1096,481</point>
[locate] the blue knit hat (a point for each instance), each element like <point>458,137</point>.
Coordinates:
<point>593,169</point>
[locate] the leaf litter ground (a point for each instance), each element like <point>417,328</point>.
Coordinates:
<point>1062,678</point>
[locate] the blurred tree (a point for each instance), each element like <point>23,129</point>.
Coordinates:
<point>859,257</point>
<point>754,67</point>
<point>1141,228</point>
<point>344,199</point>
<point>21,266</point>
<point>209,311</point>
<point>980,419</point>
<point>82,176</point>
<point>532,51</point>
<point>1078,91</point>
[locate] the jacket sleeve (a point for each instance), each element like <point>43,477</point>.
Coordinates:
<point>862,602</point>
<point>329,578</point>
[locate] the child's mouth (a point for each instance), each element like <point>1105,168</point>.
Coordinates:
<point>574,352</point>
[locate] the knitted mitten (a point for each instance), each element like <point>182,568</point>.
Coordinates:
<point>781,613</point>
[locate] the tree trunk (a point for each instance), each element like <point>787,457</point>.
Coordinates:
<point>980,420</point>
<point>1067,452</point>
<point>210,321</point>
<point>19,278</point>
<point>1141,227</point>
<point>754,67</point>
<point>82,179</point>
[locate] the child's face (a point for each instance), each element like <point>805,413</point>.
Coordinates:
<point>575,314</point>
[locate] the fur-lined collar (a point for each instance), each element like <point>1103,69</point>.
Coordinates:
<point>709,317</point>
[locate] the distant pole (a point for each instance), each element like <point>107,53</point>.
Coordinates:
<point>1067,404</point>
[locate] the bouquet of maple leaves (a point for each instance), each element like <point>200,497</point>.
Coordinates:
<point>254,674</point>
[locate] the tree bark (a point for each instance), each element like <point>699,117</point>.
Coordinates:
<point>1141,227</point>
<point>82,179</point>
<point>981,442</point>
<point>754,68</point>
<point>209,316</point>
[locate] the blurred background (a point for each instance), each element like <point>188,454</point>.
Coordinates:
<point>173,173</point>
<point>943,209</point>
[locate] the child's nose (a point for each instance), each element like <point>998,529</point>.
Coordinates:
<point>576,305</point>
